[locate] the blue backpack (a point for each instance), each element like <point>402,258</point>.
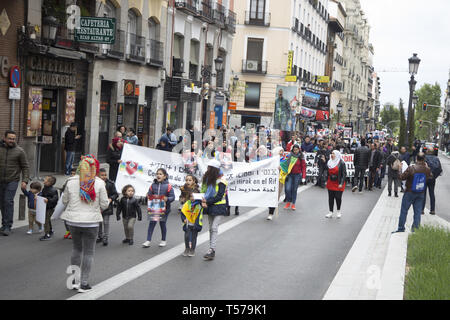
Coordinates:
<point>419,182</point>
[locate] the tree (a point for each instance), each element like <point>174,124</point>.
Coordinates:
<point>388,116</point>
<point>402,134</point>
<point>430,94</point>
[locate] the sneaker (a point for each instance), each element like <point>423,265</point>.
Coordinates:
<point>46,237</point>
<point>432,213</point>
<point>389,194</point>
<point>66,235</point>
<point>288,204</point>
<point>330,215</point>
<point>125,240</point>
<point>84,288</point>
<point>105,243</point>
<point>75,286</point>
<point>396,195</point>
<point>146,244</point>
<point>130,242</point>
<point>30,231</point>
<point>209,255</point>
<point>354,188</point>
<point>360,192</point>
<point>41,229</point>
<point>191,253</point>
<point>163,243</point>
<point>269,217</point>
<point>99,240</point>
<point>186,252</point>
<point>6,232</point>
<point>293,207</point>
<point>338,215</point>
<point>236,211</point>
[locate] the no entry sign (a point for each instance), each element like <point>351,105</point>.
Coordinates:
<point>14,77</point>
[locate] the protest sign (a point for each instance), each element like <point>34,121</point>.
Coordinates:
<point>41,206</point>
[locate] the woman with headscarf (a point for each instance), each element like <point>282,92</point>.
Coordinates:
<point>337,174</point>
<point>84,196</point>
<point>113,155</point>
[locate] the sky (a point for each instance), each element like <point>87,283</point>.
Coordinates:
<point>400,28</point>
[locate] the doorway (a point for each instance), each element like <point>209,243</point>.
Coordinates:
<point>50,132</point>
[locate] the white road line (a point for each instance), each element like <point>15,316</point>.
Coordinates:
<point>115,282</point>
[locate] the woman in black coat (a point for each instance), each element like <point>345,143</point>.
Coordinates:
<point>113,155</point>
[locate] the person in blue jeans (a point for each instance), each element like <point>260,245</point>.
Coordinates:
<point>415,176</point>
<point>70,138</point>
<point>436,169</point>
<point>297,174</point>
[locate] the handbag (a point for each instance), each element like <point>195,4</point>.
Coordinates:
<point>333,177</point>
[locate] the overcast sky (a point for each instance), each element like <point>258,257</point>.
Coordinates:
<point>400,28</point>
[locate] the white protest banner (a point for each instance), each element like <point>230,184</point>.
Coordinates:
<point>40,209</point>
<point>313,171</point>
<point>249,184</point>
<point>59,209</point>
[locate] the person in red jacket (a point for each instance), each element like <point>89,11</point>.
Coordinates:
<point>296,174</point>
<point>336,182</point>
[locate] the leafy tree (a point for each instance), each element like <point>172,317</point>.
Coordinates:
<point>430,94</point>
<point>402,133</point>
<point>388,116</point>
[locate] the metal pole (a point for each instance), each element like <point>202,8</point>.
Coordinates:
<point>13,104</point>
<point>412,84</point>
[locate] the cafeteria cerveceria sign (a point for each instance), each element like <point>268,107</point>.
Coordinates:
<point>96,30</point>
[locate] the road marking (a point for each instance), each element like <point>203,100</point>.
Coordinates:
<point>117,281</point>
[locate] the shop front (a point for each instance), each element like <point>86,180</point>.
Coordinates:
<point>56,91</point>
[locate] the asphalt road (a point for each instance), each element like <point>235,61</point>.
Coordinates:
<point>295,256</point>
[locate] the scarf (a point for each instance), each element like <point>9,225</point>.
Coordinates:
<point>333,163</point>
<point>87,170</point>
<point>114,143</point>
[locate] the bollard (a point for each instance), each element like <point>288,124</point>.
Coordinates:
<point>22,206</point>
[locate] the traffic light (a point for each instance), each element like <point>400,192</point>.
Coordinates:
<point>424,107</point>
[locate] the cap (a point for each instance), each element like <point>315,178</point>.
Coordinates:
<point>214,163</point>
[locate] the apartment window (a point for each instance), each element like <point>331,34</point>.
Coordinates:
<point>257,9</point>
<point>109,10</point>
<point>255,49</point>
<point>252,95</point>
<point>194,60</point>
<point>132,22</point>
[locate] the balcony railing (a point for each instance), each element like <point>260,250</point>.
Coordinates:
<point>116,50</point>
<point>254,66</point>
<point>154,53</point>
<point>178,67</point>
<point>219,15</point>
<point>206,12</point>
<point>135,48</point>
<point>295,25</point>
<point>257,18</point>
<point>231,22</point>
<point>188,5</point>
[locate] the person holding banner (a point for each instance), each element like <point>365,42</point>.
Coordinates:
<point>160,195</point>
<point>337,173</point>
<point>293,172</point>
<point>114,153</point>
<point>277,152</point>
<point>214,186</point>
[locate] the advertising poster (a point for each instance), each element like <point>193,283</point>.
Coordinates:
<point>34,111</point>
<point>285,111</point>
<point>70,106</point>
<point>318,101</point>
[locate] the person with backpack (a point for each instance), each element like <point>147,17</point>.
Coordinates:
<point>394,165</point>
<point>416,177</point>
<point>434,164</point>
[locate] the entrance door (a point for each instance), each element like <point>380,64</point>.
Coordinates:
<point>129,116</point>
<point>105,107</point>
<point>51,149</point>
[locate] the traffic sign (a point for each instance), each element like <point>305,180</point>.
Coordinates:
<point>14,93</point>
<point>14,77</point>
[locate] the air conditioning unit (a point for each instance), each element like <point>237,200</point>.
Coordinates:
<point>251,65</point>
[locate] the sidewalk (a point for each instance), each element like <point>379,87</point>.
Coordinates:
<point>374,268</point>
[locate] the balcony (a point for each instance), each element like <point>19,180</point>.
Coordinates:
<point>154,53</point>
<point>219,15</point>
<point>230,24</point>
<point>135,51</point>
<point>295,25</point>
<point>116,50</point>
<point>206,12</point>
<point>254,66</point>
<point>254,18</point>
<point>178,89</point>
<point>177,67</point>
<point>189,6</point>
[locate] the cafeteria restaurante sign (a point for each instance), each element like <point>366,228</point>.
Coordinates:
<point>96,30</point>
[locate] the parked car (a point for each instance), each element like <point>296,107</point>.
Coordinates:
<point>431,145</point>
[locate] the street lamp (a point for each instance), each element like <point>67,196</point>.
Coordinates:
<point>218,64</point>
<point>414,62</point>
<point>339,109</point>
<point>358,115</point>
<point>350,112</point>
<point>49,28</point>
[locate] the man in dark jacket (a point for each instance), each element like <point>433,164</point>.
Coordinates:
<point>434,164</point>
<point>70,138</point>
<point>361,162</point>
<point>13,162</point>
<point>415,176</point>
<point>393,174</point>
<point>322,157</point>
<point>103,230</point>
<point>404,155</point>
<point>375,162</point>
<point>307,146</point>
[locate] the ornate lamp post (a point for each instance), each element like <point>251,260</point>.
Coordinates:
<point>414,62</point>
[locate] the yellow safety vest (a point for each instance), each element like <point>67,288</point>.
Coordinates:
<point>223,201</point>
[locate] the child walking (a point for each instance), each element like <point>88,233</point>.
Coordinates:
<point>191,184</point>
<point>35,188</point>
<point>192,217</point>
<point>103,230</point>
<point>51,196</point>
<point>159,194</point>
<point>129,207</point>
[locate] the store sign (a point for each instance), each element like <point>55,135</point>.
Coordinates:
<point>323,79</point>
<point>290,79</point>
<point>96,30</point>
<point>192,89</point>
<point>290,61</point>
<point>48,72</point>
<point>119,114</point>
<point>129,88</point>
